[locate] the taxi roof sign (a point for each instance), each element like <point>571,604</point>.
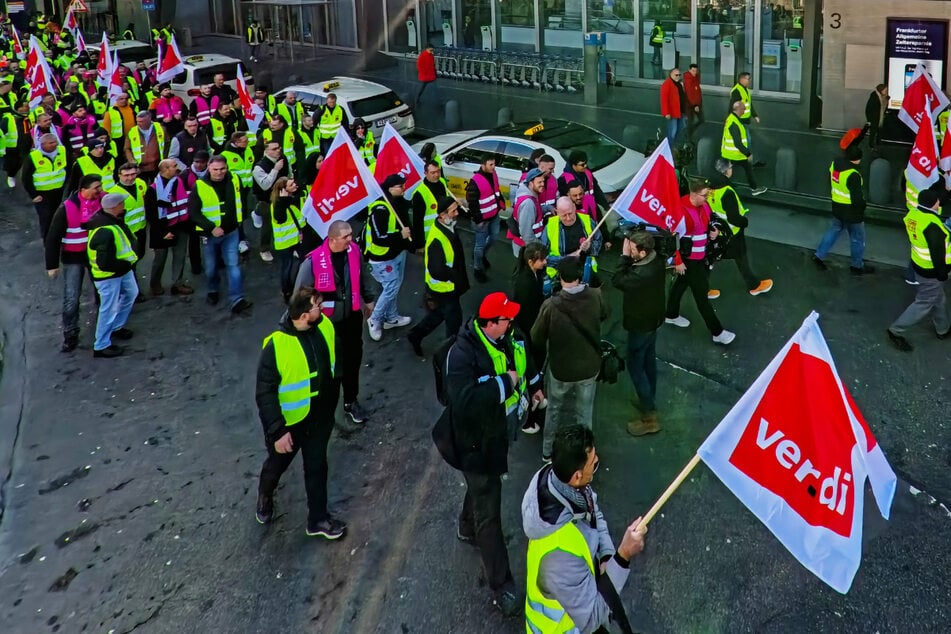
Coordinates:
<point>194,58</point>
<point>331,86</point>
<point>534,129</point>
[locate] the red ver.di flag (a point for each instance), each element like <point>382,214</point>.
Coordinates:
<point>103,70</point>
<point>653,195</point>
<point>921,93</point>
<point>169,61</point>
<point>796,451</point>
<point>922,170</point>
<point>343,187</point>
<point>253,113</point>
<point>397,157</point>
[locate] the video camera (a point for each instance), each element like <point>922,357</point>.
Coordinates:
<point>665,242</point>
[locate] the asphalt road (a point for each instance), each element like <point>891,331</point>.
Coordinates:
<point>128,503</point>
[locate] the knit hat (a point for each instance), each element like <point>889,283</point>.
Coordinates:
<point>393,180</point>
<point>927,198</point>
<point>92,144</point>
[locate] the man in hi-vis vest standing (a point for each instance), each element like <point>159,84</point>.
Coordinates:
<point>296,394</point>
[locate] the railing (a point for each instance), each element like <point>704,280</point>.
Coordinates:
<point>524,70</point>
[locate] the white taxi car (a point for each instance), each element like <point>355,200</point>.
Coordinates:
<point>613,164</point>
<point>374,103</point>
<point>130,52</point>
<point>201,69</point>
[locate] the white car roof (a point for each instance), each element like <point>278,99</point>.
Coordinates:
<point>121,44</point>
<point>347,88</point>
<point>210,59</point>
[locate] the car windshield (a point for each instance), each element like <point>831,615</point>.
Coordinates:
<point>206,74</point>
<point>375,104</point>
<point>601,150</point>
<point>135,53</point>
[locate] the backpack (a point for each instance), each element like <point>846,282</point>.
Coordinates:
<point>440,369</point>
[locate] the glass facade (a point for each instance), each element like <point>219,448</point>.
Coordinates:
<point>723,37</point>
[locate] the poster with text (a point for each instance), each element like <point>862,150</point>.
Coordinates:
<point>909,42</point>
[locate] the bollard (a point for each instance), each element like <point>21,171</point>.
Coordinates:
<point>632,137</point>
<point>708,151</point>
<point>880,182</point>
<point>453,118</point>
<point>785,170</point>
<point>505,116</point>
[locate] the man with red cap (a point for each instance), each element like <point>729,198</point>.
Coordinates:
<point>490,381</point>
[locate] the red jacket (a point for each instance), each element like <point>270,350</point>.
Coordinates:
<point>692,89</point>
<point>670,99</point>
<point>426,66</point>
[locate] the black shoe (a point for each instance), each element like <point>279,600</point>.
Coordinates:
<point>123,334</point>
<point>141,298</point>
<point>899,342</point>
<point>464,537</point>
<point>507,602</point>
<point>355,412</point>
<point>759,164</point>
<point>480,276</point>
<point>417,346</point>
<point>212,298</point>
<point>485,264</point>
<point>265,508</point>
<point>69,343</point>
<point>943,335</point>
<point>328,528</point>
<point>865,270</point>
<point>819,263</point>
<point>240,306</point>
<point>108,353</point>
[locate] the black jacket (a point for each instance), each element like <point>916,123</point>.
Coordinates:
<point>104,244</point>
<point>528,291</point>
<point>730,203</point>
<point>644,286</point>
<point>854,212</point>
<point>229,212</point>
<point>322,406</point>
<point>379,220</point>
<point>438,266</point>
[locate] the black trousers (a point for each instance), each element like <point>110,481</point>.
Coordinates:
<point>349,342</point>
<point>481,518</point>
<point>46,208</point>
<point>747,169</point>
<point>312,445</point>
<point>736,251</point>
<point>194,252</point>
<point>422,87</point>
<point>697,279</point>
<point>442,308</point>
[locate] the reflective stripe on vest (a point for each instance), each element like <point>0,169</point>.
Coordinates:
<point>366,150</point>
<point>287,234</point>
<point>287,144</point>
<point>840,189</point>
<point>916,222</point>
<point>134,206</point>
<point>124,250</point>
<point>241,166</point>
<point>204,108</point>
<point>698,249</point>
<point>285,112</point>
<point>296,389</point>
<point>537,226</point>
<point>746,98</point>
<point>429,199</point>
<point>728,149</point>
<point>488,194</point>
<point>716,204</point>
<point>211,206</point>
<point>330,121</point>
<point>135,142</point>
<point>436,235</point>
<point>390,228</point>
<point>115,123</point>
<point>88,166</point>
<point>217,131</point>
<point>657,35</point>
<point>49,175</point>
<point>544,615</point>
<point>501,366</point>
<point>310,140</point>
<point>553,229</point>
<point>76,237</point>
<point>177,197</point>
<point>10,135</point>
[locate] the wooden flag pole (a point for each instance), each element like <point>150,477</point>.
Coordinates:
<point>670,490</point>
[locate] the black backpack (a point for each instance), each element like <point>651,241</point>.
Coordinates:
<point>440,358</point>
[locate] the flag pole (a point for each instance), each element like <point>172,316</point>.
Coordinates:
<point>670,490</point>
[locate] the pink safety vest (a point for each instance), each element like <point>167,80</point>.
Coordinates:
<point>550,195</point>
<point>588,204</point>
<point>537,227</point>
<point>490,200</point>
<point>78,131</point>
<point>324,276</point>
<point>204,108</point>
<point>697,228</point>
<point>178,196</point>
<point>167,107</point>
<point>78,212</point>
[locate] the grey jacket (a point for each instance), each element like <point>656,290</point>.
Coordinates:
<point>526,217</point>
<point>562,576</point>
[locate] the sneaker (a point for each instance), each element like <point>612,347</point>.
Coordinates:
<point>355,412</point>
<point>865,270</point>
<point>643,426</point>
<point>464,537</point>
<point>257,220</point>
<point>11,182</point>
<point>70,342</point>
<point>212,298</point>
<point>417,346</point>
<point>759,191</point>
<point>123,334</point>
<point>480,276</point>
<point>243,247</point>
<point>680,321</point>
<point>911,282</point>
<point>182,289</point>
<point>267,257</point>
<point>713,294</point>
<point>724,338</point>
<point>531,428</point>
<point>507,602</point>
<point>328,528</point>
<point>399,322</point>
<point>546,459</point>
<point>899,342</point>
<point>376,333</point>
<point>265,508</point>
<point>240,306</point>
<point>942,335</point>
<point>108,353</point>
<point>822,266</point>
<point>765,286</point>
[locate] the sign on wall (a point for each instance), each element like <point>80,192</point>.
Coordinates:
<point>910,41</point>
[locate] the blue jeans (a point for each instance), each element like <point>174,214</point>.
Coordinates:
<point>389,273</point>
<point>856,237</point>
<point>227,247</point>
<point>642,367</point>
<point>485,234</point>
<point>117,297</point>
<point>674,128</point>
<point>72,289</point>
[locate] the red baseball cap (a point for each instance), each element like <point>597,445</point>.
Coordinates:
<point>498,305</point>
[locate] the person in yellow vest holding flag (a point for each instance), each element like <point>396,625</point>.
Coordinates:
<point>848,211</point>
<point>111,262</point>
<point>931,259</point>
<point>726,203</point>
<point>329,119</point>
<point>574,573</point>
<point>572,234</point>
<point>735,145</point>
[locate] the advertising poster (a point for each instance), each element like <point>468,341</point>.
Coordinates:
<point>908,42</point>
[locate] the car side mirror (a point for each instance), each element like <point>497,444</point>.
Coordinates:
<point>449,159</point>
